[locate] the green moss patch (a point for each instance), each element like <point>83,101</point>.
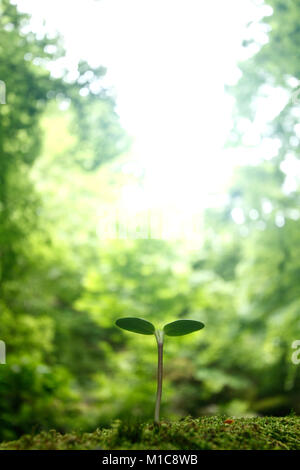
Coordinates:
<point>187,434</point>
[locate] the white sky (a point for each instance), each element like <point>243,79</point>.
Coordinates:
<point>168,61</point>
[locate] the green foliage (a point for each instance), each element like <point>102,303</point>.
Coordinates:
<point>136,325</point>
<point>143,327</point>
<point>62,288</point>
<point>29,88</point>
<point>182,327</point>
<point>39,280</point>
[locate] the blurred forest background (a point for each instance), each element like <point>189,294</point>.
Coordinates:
<point>62,285</point>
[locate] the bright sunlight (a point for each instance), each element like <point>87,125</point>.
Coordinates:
<point>168,68</point>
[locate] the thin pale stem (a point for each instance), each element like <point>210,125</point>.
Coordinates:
<point>160,344</point>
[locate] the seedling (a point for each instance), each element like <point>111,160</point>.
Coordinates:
<point>144,327</point>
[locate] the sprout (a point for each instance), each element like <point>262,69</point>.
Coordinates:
<point>144,327</point>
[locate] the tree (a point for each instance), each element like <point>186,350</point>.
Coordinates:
<point>38,279</point>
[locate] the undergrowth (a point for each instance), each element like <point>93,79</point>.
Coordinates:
<point>187,434</point>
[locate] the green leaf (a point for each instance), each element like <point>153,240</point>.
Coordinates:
<point>182,327</point>
<point>136,325</point>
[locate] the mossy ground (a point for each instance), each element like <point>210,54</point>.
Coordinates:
<point>188,434</point>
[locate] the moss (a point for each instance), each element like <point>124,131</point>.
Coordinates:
<point>190,434</point>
